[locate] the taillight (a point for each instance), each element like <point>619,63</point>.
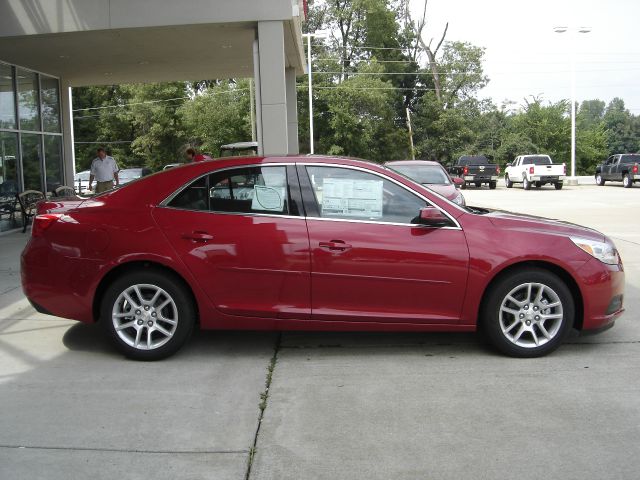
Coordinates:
<point>43,222</point>
<point>635,169</point>
<point>498,170</point>
<point>530,170</point>
<point>465,170</point>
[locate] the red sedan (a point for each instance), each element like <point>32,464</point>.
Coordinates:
<point>312,243</point>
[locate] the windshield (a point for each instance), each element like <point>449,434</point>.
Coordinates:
<point>424,174</point>
<point>537,160</point>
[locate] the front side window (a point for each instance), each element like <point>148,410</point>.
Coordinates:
<point>241,190</point>
<point>343,193</point>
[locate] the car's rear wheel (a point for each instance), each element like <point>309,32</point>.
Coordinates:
<point>507,181</point>
<point>558,185</point>
<point>463,185</point>
<point>149,315</point>
<point>478,184</point>
<point>599,180</point>
<point>626,181</point>
<point>528,313</point>
<point>538,184</point>
<point>526,184</point>
<point>493,185</point>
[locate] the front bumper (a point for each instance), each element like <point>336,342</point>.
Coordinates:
<point>602,288</point>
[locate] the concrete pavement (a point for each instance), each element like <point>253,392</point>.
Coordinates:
<point>359,405</point>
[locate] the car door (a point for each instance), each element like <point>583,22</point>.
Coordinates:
<point>369,262</point>
<point>606,169</point>
<point>240,233</point>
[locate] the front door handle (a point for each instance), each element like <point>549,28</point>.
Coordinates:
<point>197,236</point>
<point>335,246</point>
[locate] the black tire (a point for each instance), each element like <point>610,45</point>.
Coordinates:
<point>558,185</point>
<point>538,184</point>
<point>599,180</point>
<point>493,185</point>
<point>478,184</point>
<point>463,186</point>
<point>508,182</point>
<point>501,327</point>
<point>626,181</point>
<point>526,184</point>
<point>149,322</point>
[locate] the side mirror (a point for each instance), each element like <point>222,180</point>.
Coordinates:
<point>433,217</point>
<point>457,181</point>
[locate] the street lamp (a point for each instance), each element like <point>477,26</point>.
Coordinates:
<point>573,180</point>
<point>319,34</point>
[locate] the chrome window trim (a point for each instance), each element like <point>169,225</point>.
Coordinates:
<point>457,226</point>
<point>413,192</point>
<point>173,195</point>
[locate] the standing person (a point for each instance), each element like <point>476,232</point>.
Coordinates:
<point>105,171</point>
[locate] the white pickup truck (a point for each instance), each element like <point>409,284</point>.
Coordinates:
<point>535,170</point>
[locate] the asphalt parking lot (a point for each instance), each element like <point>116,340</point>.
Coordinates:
<point>353,406</point>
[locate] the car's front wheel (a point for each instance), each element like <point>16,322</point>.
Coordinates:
<point>528,313</point>
<point>148,314</point>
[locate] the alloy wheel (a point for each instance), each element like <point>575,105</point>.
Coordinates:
<point>144,316</point>
<point>531,315</point>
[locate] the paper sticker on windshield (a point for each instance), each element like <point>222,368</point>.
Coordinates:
<point>352,198</point>
<point>268,198</point>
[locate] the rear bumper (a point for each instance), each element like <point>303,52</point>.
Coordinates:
<point>547,178</point>
<point>481,178</point>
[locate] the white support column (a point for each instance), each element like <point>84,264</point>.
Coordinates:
<point>292,111</point>
<point>68,150</point>
<point>271,95</point>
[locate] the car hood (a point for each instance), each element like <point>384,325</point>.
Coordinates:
<point>534,224</point>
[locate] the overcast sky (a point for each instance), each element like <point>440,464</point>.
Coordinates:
<point>525,57</point>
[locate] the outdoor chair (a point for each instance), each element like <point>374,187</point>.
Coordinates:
<point>28,201</point>
<point>64,191</point>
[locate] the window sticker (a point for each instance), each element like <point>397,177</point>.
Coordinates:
<point>268,198</point>
<point>352,198</point>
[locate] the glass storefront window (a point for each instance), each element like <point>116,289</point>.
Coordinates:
<point>53,161</point>
<point>31,161</point>
<point>7,98</point>
<point>28,100</point>
<point>8,165</point>
<point>50,104</point>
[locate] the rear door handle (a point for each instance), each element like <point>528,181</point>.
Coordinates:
<point>335,245</point>
<point>197,236</point>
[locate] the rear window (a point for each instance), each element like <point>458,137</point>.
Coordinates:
<point>473,160</point>
<point>537,160</point>
<point>630,159</point>
<point>424,174</point>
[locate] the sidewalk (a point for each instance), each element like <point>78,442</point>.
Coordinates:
<point>11,297</point>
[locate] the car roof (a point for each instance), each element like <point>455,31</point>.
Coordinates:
<point>412,162</point>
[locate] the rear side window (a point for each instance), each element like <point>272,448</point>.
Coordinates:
<point>241,190</point>
<point>630,159</point>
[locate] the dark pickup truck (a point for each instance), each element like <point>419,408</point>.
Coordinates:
<point>619,168</point>
<point>475,169</point>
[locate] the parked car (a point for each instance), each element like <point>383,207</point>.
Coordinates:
<point>81,183</point>
<point>475,169</point>
<point>432,175</point>
<point>126,175</point>
<point>535,170</point>
<point>239,149</point>
<point>619,168</point>
<point>312,243</point>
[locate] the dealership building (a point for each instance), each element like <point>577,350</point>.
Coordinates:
<point>47,47</point>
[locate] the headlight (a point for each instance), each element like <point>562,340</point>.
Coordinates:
<point>605,252</point>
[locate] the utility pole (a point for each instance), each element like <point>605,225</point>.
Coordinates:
<point>413,152</point>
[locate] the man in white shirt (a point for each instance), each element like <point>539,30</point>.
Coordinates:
<point>105,171</point>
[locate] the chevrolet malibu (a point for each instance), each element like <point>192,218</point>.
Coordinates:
<point>312,243</point>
